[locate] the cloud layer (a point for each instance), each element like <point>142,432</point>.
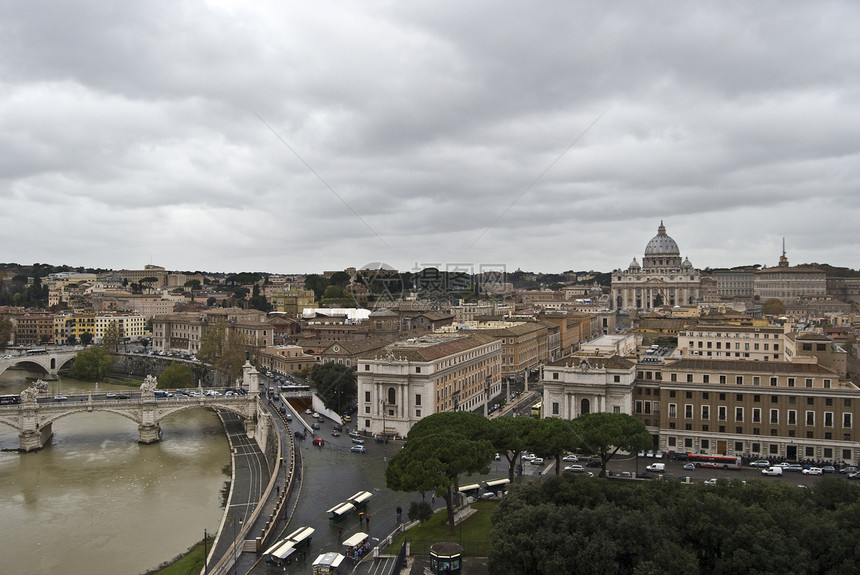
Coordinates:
<point>301,137</point>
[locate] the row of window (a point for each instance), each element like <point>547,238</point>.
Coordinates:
<point>746,347</point>
<point>755,380</point>
<point>647,407</point>
<point>771,448</point>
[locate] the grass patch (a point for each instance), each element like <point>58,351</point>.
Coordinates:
<point>473,534</point>
<point>189,563</point>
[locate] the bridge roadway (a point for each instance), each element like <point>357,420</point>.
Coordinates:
<point>34,421</point>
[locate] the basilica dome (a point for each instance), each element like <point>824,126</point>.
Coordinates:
<point>661,244</point>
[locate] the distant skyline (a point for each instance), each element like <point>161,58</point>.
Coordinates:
<point>301,137</point>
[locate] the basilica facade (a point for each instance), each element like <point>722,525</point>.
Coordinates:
<point>661,279</point>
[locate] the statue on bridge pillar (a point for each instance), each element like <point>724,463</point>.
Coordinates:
<point>150,383</point>
<point>30,394</point>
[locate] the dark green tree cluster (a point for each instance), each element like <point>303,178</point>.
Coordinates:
<point>92,364</point>
<point>570,524</point>
<point>335,385</point>
<point>176,375</point>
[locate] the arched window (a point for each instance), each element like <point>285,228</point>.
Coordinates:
<point>392,395</point>
<point>585,407</point>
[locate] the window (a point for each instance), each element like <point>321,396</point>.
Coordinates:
<point>616,378</point>
<point>705,395</point>
<point>418,399</point>
<point>723,379</point>
<point>739,445</point>
<point>846,420</point>
<point>672,442</point>
<point>706,378</point>
<point>673,377</point>
<point>638,407</point>
<point>721,413</point>
<point>774,416</point>
<point>773,381</point>
<point>774,448</point>
<point>366,367</point>
<point>756,380</point>
<point>688,411</point>
<point>555,375</point>
<point>689,395</point>
<point>739,380</point>
<point>689,378</point>
<point>417,369</point>
<point>739,414</point>
<point>673,410</point>
<point>792,417</point>
<point>810,401</point>
<point>366,396</point>
<point>826,384</point>
<point>756,415</point>
<point>808,382</point>
<point>790,382</point>
<point>688,442</point>
<point>705,443</point>
<point>417,413</point>
<point>706,412</point>
<point>810,418</point>
<point>828,419</point>
<point>555,408</point>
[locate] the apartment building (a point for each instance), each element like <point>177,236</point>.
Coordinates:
<point>762,343</point>
<point>414,378</point>
<point>184,331</point>
<point>33,328</point>
<point>749,408</point>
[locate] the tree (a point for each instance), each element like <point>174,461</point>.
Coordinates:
<point>92,364</point>
<point>419,511</point>
<point>509,435</point>
<point>773,306</point>
<point>605,434</point>
<point>224,348</point>
<point>176,375</point>
<point>317,284</point>
<point>438,449</point>
<point>111,336</point>
<point>147,282</point>
<point>335,384</point>
<point>5,331</point>
<point>71,339</point>
<point>553,437</point>
<point>86,338</point>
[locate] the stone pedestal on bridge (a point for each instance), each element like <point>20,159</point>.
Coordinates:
<point>148,433</point>
<point>35,439</point>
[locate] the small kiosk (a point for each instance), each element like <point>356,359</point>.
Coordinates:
<point>357,545</point>
<point>327,563</point>
<point>360,499</point>
<point>470,492</point>
<point>446,558</point>
<point>339,511</point>
<point>496,486</point>
<point>280,552</point>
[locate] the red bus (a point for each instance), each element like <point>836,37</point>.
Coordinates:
<point>719,461</point>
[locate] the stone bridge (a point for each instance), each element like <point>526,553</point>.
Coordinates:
<point>51,360</point>
<point>33,419</point>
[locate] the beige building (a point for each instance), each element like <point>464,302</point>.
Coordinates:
<point>732,342</point>
<point>184,331</point>
<point>292,301</point>
<point>577,385</point>
<point>409,380</point>
<point>789,283</point>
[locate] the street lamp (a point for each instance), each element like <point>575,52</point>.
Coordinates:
<point>487,398</point>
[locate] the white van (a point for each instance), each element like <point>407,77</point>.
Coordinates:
<point>772,471</point>
<point>657,467</point>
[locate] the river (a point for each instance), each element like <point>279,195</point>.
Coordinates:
<point>93,501</point>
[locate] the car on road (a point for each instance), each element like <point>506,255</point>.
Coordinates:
<point>60,398</point>
<point>319,441</point>
<point>848,470</point>
<point>335,433</point>
<point>690,466</point>
<point>528,456</point>
<point>855,475</point>
<point>570,458</point>
<point>537,461</point>
<point>793,467</point>
<point>813,471</point>
<point>760,463</point>
<point>110,395</point>
<point>358,441</point>
<point>712,481</point>
<point>123,396</point>
<point>357,449</point>
<point>772,471</point>
<point>575,468</point>
<point>828,469</point>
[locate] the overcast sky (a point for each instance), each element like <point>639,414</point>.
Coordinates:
<point>294,137</point>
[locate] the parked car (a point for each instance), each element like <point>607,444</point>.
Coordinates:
<point>357,449</point>
<point>335,433</point>
<point>570,458</point>
<point>855,475</point>
<point>828,469</point>
<point>650,453</point>
<point>658,455</point>
<point>848,470</point>
<point>575,468</point>
<point>537,461</point>
<point>813,471</point>
<point>358,441</point>
<point>594,463</point>
<point>527,456</point>
<point>690,466</point>
<point>793,467</point>
<point>760,463</point>
<point>712,481</point>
